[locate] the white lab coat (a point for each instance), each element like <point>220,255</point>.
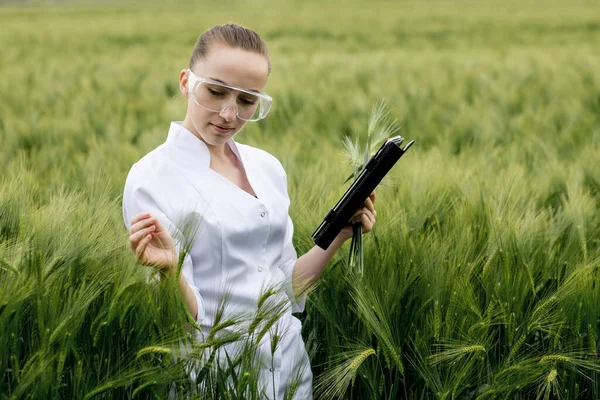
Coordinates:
<point>241,243</point>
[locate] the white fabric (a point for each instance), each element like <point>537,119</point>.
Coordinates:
<point>241,244</point>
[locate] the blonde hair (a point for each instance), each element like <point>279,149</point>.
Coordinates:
<point>233,35</point>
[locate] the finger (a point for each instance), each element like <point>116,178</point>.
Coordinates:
<point>368,220</point>
<point>140,217</point>
<point>369,205</point>
<point>372,197</point>
<point>141,248</point>
<point>139,235</point>
<point>361,210</point>
<point>364,220</point>
<point>355,218</point>
<point>152,220</point>
<point>370,216</point>
<point>159,227</point>
<point>144,223</point>
<point>358,216</point>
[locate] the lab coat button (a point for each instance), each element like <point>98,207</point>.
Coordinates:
<point>262,214</point>
<point>260,269</point>
<point>271,369</point>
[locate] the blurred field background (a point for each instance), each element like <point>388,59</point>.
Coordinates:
<point>481,278</point>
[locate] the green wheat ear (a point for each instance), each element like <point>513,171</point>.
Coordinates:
<point>334,383</point>
<point>381,127</point>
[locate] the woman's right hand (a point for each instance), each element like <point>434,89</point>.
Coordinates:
<point>151,243</point>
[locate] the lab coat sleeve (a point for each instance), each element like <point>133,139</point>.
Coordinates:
<point>140,196</point>
<point>288,261</point>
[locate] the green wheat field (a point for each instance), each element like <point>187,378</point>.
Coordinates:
<point>481,279</point>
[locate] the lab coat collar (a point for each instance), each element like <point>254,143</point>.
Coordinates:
<point>186,142</point>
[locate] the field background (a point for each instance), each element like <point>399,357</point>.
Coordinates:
<point>482,275</point>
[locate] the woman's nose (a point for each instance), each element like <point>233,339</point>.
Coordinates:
<point>229,113</point>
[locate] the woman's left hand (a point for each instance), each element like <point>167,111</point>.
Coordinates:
<point>365,215</point>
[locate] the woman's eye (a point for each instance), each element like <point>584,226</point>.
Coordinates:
<point>215,93</point>
<point>247,102</point>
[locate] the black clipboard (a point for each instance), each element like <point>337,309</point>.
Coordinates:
<point>354,198</point>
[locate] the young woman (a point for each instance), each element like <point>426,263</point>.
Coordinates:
<point>236,195</point>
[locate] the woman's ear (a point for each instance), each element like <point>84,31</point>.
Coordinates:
<point>183,82</point>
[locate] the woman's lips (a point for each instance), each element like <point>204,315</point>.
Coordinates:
<point>222,129</point>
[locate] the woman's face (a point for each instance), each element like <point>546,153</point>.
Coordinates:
<point>232,66</point>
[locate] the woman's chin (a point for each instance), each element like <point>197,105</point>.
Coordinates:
<point>216,139</point>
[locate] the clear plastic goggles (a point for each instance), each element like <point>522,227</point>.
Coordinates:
<point>217,96</point>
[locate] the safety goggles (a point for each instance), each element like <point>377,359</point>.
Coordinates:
<point>217,97</point>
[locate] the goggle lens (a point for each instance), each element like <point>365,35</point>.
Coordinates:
<point>216,97</point>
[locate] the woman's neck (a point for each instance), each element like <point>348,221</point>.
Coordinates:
<point>218,154</point>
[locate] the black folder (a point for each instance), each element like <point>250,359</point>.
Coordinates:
<point>354,198</point>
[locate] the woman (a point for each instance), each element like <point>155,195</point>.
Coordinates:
<point>237,196</point>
